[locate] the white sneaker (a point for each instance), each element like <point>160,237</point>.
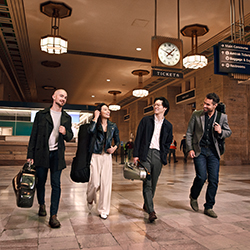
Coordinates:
<point>104,216</point>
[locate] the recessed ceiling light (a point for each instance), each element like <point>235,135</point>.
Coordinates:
<point>108,80</point>
<point>51,64</point>
<point>138,49</point>
<point>92,96</point>
<point>47,87</point>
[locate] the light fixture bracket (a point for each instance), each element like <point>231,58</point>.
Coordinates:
<point>140,91</point>
<point>54,44</point>
<point>194,61</point>
<point>113,105</point>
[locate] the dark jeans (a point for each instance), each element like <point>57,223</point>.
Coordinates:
<point>185,155</point>
<point>154,166</point>
<point>207,166</point>
<point>55,176</point>
<point>171,151</point>
<point>130,153</point>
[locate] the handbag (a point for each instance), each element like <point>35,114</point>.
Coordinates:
<point>24,184</point>
<point>80,167</point>
<point>135,172</point>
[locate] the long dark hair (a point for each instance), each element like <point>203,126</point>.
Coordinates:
<point>99,107</point>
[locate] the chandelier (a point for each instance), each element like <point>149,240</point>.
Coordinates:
<point>195,60</point>
<point>113,105</point>
<point>140,91</point>
<point>54,44</point>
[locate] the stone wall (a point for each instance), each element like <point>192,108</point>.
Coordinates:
<point>235,96</point>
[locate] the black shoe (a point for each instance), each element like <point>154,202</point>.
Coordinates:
<point>194,204</point>
<point>175,161</point>
<point>152,216</point>
<point>42,210</point>
<point>54,222</point>
<point>210,212</point>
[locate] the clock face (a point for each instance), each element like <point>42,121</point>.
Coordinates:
<point>169,54</point>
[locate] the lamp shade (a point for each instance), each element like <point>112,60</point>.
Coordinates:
<point>140,92</point>
<point>54,44</point>
<point>194,61</point>
<point>114,107</point>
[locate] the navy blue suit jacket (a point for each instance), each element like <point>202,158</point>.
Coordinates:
<point>144,135</point>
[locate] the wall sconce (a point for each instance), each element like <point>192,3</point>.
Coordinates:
<point>54,44</point>
<point>113,105</point>
<point>140,91</point>
<point>194,61</point>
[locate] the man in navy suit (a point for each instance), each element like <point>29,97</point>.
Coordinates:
<point>203,147</point>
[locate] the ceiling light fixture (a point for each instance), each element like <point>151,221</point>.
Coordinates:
<point>47,87</point>
<point>113,105</point>
<point>140,91</point>
<point>194,61</point>
<point>54,44</point>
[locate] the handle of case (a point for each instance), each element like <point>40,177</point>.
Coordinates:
<point>148,174</point>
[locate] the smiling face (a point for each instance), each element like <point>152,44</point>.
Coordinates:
<point>105,112</point>
<point>60,98</point>
<point>158,108</point>
<point>209,106</point>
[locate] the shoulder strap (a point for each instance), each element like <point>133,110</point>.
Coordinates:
<point>218,116</point>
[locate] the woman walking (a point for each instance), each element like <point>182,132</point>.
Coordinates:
<point>102,131</point>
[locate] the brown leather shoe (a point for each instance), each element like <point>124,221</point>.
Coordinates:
<point>42,210</point>
<point>152,216</point>
<point>54,222</point>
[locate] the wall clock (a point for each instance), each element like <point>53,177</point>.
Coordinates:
<point>166,53</point>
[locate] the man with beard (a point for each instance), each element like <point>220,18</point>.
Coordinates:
<point>46,150</point>
<point>203,147</point>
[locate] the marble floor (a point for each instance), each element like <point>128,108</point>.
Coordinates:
<point>127,227</point>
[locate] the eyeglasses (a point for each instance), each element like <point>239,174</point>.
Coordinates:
<point>157,105</point>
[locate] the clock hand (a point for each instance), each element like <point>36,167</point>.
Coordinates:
<point>170,53</point>
<point>164,50</point>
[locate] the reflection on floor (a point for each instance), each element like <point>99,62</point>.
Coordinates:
<point>127,227</point>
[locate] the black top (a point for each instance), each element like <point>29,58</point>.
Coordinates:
<point>207,138</point>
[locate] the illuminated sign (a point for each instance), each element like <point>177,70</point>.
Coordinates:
<point>234,58</point>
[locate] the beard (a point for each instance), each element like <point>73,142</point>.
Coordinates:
<point>59,104</point>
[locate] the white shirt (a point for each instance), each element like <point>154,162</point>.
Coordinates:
<point>53,139</point>
<point>155,141</point>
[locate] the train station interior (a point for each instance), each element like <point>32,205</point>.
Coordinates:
<point>113,52</point>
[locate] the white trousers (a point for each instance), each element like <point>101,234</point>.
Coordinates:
<point>100,179</point>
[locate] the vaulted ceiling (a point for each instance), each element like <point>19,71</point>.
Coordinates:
<point>103,37</point>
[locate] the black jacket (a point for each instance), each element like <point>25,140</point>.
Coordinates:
<point>38,148</point>
<point>144,135</point>
<point>112,132</point>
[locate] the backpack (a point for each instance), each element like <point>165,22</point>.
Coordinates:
<point>221,108</point>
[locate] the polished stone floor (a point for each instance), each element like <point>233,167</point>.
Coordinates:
<point>127,227</point>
